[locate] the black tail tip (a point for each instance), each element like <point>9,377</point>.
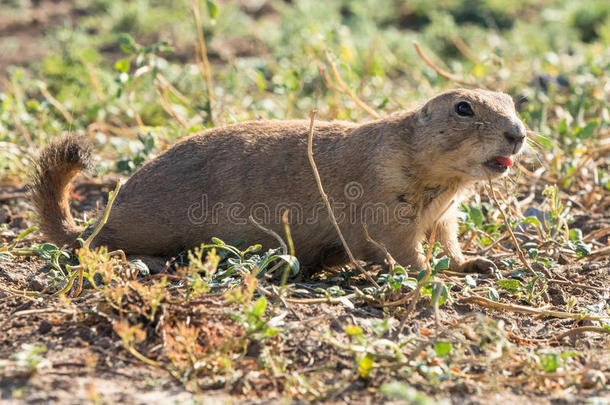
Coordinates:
<point>73,151</point>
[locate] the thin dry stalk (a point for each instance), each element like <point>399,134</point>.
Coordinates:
<point>487,303</point>
<point>94,82</point>
<point>19,97</point>
<point>331,214</point>
<point>579,330</point>
<point>441,72</point>
<point>167,105</point>
<point>201,56</point>
<point>416,293</point>
<point>492,193</point>
<point>463,48</point>
<point>96,231</point>
<point>391,262</point>
<point>55,103</point>
<point>343,88</point>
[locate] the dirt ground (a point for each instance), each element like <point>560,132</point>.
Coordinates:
<point>86,361</point>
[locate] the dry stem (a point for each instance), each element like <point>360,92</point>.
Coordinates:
<point>331,214</point>
<point>342,87</point>
<point>508,228</point>
<point>487,303</point>
<point>201,56</point>
<point>441,72</point>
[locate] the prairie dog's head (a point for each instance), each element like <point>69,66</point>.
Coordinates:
<point>461,131</point>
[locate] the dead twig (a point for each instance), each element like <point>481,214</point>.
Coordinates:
<point>487,303</point>
<point>579,330</point>
<point>391,261</point>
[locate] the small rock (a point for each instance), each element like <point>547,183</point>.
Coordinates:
<point>44,327</point>
<point>557,296</point>
<point>5,214</point>
<point>591,266</point>
<point>20,221</point>
<point>563,259</point>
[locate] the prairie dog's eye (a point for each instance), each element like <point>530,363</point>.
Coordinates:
<point>464,109</point>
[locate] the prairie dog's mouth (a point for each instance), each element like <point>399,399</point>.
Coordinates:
<point>499,164</point>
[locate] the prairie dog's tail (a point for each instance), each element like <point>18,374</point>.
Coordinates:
<point>54,170</point>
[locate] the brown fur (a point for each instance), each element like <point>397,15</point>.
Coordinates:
<point>53,173</point>
<point>409,167</point>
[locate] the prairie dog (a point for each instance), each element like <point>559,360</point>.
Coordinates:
<point>396,175</point>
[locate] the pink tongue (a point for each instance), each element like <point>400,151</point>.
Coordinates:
<point>504,161</point>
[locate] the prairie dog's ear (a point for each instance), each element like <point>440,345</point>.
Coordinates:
<point>424,114</point>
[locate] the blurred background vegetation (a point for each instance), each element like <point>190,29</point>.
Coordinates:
<point>125,72</point>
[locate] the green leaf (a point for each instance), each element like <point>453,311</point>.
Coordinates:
<point>128,44</point>
<point>122,65</point>
<point>421,275</point>
<point>366,365</point>
<point>570,353</point>
<point>549,362</point>
<point>442,348</point>
<point>510,285</point>
<point>589,129</point>
<point>493,294</point>
<point>27,232</point>
<point>444,294</point>
<point>582,249</point>
<point>212,9</point>
<point>532,220</point>
<point>353,330</point>
<point>575,234</point>
<point>476,215</point>
<point>442,264</point>
<point>258,309</point>
<point>292,261</point>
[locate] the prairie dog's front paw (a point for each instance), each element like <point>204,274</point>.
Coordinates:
<point>478,265</point>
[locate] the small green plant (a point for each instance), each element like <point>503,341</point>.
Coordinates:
<point>30,358</point>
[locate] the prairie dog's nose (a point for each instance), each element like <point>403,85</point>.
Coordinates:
<point>515,134</point>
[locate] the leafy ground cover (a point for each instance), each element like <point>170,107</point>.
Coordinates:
<point>226,324</point>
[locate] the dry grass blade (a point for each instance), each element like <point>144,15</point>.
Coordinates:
<point>441,72</point>
<point>55,103</point>
<point>579,330</point>
<point>331,214</point>
<point>492,193</point>
<point>416,293</point>
<point>343,88</point>
<point>487,303</point>
<point>201,55</point>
